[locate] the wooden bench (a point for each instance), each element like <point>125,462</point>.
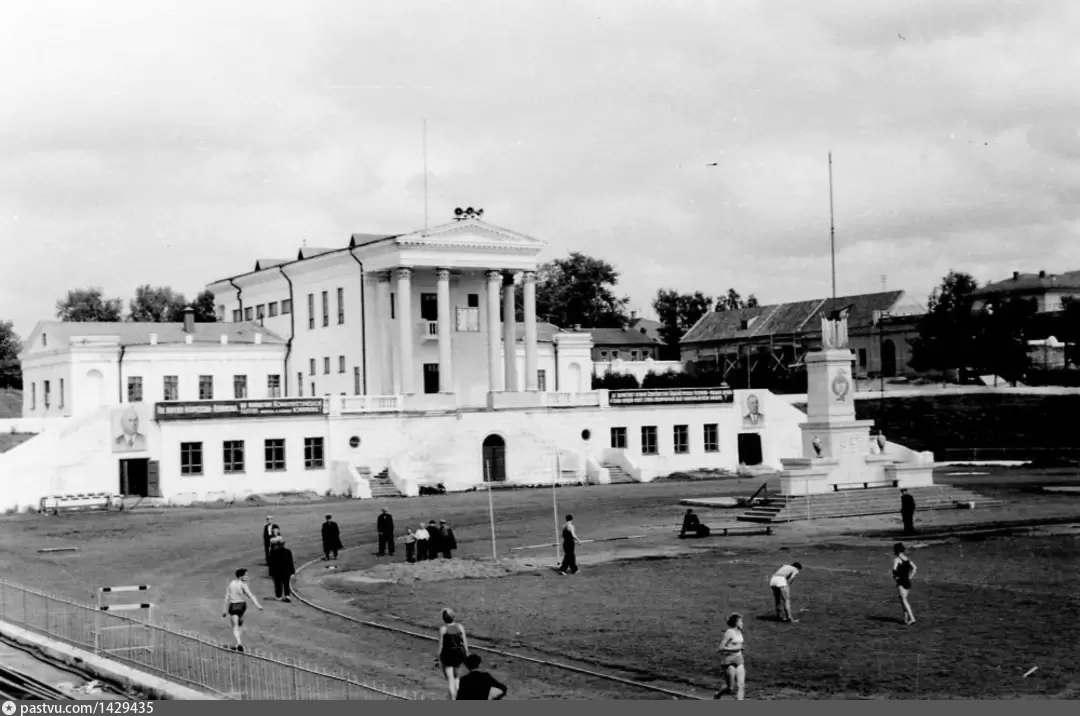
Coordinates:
<point>725,531</point>
<point>843,486</point>
<point>73,503</point>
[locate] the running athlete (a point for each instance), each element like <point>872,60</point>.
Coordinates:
<point>453,648</point>
<point>236,596</point>
<point>731,649</point>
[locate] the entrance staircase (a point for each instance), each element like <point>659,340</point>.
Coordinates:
<point>857,502</point>
<point>617,474</point>
<point>381,484</point>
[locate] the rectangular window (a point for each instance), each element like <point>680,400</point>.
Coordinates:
<point>206,387</point>
<point>646,353</point>
<point>862,357</point>
<point>312,389</point>
<point>341,364</point>
<point>429,306</point>
<point>61,392</point>
<point>286,307</point>
<point>300,385</point>
<point>393,307</point>
<point>325,308</point>
<point>260,311</point>
<point>272,309</point>
<point>171,387</point>
<point>275,454</point>
<point>313,454</point>
<point>326,365</point>
<point>311,311</point>
<point>233,455</point>
<point>237,316</point>
<point>618,438</point>
<point>33,396</point>
<point>712,437</point>
<point>541,380</point>
<point>249,313</point>
<point>46,393</point>
<point>219,313</point>
<point>633,355</point>
<point>356,380</point>
<point>135,394</point>
<point>273,386</point>
<point>340,306</point>
<point>467,320</point>
<point>239,387</point>
<point>648,440</point>
<point>191,459</point>
<point>681,439</point>
<point>473,300</point>
<point>311,366</point>
<point>603,355</point>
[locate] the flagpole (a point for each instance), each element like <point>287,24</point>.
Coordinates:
<point>425,179</point>
<point>491,514</point>
<point>555,506</point>
<point>832,231</point>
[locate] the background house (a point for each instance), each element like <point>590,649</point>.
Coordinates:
<point>1047,290</point>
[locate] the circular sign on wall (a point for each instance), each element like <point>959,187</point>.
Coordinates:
<point>585,434</point>
<point>354,441</point>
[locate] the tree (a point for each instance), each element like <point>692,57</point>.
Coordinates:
<point>10,347</point>
<point>205,307</point>
<point>156,305</point>
<point>947,333</point>
<point>578,290</point>
<point>86,305</point>
<point>678,312</point>
<point>732,301</point>
<point>1003,344</point>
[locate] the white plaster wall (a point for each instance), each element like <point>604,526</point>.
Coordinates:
<point>54,367</point>
<point>545,361</point>
<point>188,362</point>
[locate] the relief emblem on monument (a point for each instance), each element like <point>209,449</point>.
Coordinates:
<point>841,386</point>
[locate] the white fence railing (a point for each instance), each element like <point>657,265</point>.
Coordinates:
<point>589,399</point>
<point>370,403</point>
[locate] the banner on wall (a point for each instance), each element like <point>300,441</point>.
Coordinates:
<point>659,396</point>
<point>128,424</point>
<point>218,409</point>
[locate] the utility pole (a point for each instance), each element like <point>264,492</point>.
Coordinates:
<point>832,230</point>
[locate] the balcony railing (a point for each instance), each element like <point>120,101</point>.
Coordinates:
<point>370,403</point>
<point>429,330</point>
<point>661,396</point>
<point>590,399</point>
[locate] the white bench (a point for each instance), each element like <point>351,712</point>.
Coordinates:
<point>841,486</point>
<point>77,502</point>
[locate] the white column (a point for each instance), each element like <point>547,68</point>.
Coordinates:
<point>446,369</point>
<point>384,335</point>
<point>495,375</point>
<point>509,333</point>
<point>532,377</point>
<point>405,328</point>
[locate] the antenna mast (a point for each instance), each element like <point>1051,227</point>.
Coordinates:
<point>425,180</point>
<point>832,230</point>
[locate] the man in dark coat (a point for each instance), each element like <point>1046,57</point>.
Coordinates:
<point>384,525</point>
<point>283,569</point>
<point>331,538</point>
<point>267,533</point>
<point>449,543</point>
<point>691,526</point>
<point>435,540</point>
<point>907,512</point>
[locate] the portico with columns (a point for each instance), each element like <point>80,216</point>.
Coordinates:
<point>438,325</point>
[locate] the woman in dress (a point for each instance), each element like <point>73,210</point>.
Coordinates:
<point>903,570</point>
<point>731,650</point>
<point>453,648</point>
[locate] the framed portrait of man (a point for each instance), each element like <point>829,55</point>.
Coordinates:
<point>752,415</point>
<point>128,434</point>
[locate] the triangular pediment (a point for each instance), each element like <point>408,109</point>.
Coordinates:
<point>471,233</point>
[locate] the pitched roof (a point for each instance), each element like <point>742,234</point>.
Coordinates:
<point>133,334</point>
<point>545,332</point>
<point>261,264</point>
<point>308,252</point>
<point>636,336</point>
<point>788,318</point>
<point>1031,282</point>
<point>362,239</point>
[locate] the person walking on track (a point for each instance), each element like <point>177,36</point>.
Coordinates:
<point>780,583</point>
<point>731,659</point>
<point>236,595</point>
<point>284,569</point>
<point>384,525</point>
<point>907,512</point>
<point>331,538</point>
<point>453,650</point>
<point>267,533</point>
<point>903,570</point>
<point>570,542</point>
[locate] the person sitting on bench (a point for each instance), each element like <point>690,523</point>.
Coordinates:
<point>693,525</point>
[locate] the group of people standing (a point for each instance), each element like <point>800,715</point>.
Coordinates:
<point>733,642</point>
<point>279,560</point>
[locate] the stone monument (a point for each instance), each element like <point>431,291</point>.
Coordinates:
<point>838,450</point>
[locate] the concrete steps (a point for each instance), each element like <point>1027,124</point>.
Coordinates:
<point>381,484</point>
<point>857,502</point>
<point>618,475</point>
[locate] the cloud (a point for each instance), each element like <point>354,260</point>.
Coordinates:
<point>174,143</point>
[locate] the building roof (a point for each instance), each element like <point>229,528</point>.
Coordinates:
<point>637,335</point>
<point>545,332</point>
<point>134,334</point>
<point>261,264</point>
<point>801,317</point>
<point>1031,283</point>
<point>363,239</point>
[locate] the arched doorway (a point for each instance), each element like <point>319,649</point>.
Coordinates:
<point>94,390</point>
<point>888,358</point>
<point>750,449</point>
<point>494,458</point>
<point>573,378</point>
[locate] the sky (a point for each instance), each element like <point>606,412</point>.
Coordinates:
<point>173,143</point>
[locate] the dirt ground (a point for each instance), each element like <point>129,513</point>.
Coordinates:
<point>646,608</point>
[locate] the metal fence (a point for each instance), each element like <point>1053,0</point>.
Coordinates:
<point>1024,453</point>
<point>183,658</point>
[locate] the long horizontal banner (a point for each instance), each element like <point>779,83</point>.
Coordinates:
<point>670,395</point>
<point>239,408</point>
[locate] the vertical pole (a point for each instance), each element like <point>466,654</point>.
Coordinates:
<point>832,230</point>
<point>491,513</point>
<point>425,180</point>
<point>808,515</point>
<point>555,507</point>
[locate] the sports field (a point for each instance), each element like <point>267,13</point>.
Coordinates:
<point>651,607</point>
